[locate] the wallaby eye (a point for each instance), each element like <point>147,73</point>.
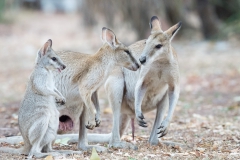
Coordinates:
<point>127,51</point>
<point>158,46</point>
<point>54,58</point>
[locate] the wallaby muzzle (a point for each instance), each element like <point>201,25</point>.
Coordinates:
<point>142,59</point>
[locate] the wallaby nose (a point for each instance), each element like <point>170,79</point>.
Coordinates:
<point>137,65</point>
<point>142,60</point>
<point>63,67</point>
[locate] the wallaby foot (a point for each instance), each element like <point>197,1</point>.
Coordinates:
<point>123,144</point>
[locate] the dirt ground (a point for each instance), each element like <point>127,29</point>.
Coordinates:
<point>206,122</point>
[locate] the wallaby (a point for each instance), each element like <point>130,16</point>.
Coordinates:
<point>38,114</point>
<point>82,78</point>
<point>154,86</point>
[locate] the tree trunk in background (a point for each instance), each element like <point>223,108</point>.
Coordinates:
<point>137,13</point>
<point>208,18</point>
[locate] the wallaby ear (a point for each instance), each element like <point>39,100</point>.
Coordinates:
<point>46,47</point>
<point>109,37</point>
<point>155,24</point>
<point>171,32</point>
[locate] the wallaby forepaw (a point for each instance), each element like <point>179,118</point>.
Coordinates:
<point>140,119</point>
<point>90,126</point>
<point>61,100</point>
<point>163,129</point>
<point>98,121</point>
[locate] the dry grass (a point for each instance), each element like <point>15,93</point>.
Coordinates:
<point>206,120</point>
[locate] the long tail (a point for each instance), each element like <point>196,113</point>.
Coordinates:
<point>12,140</point>
<point>11,150</point>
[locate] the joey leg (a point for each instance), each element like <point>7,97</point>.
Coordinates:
<point>96,104</point>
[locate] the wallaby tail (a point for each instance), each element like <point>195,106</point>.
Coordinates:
<point>12,140</point>
<point>11,150</point>
<point>99,138</point>
<point>93,138</point>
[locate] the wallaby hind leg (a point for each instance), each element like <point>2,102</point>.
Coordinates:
<point>47,148</point>
<point>49,137</point>
<point>114,86</point>
<point>35,150</point>
<point>161,110</point>
<point>82,140</point>
<point>27,146</point>
<point>115,141</point>
<point>37,132</point>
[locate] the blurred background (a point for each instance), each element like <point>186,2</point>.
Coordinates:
<point>207,46</point>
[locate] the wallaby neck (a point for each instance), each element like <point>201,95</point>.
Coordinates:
<point>167,55</point>
<point>39,65</point>
<point>105,56</point>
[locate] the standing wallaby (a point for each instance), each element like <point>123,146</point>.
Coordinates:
<point>38,114</point>
<point>154,86</point>
<point>82,78</point>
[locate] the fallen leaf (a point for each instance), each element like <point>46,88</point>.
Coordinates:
<point>94,155</point>
<point>201,149</point>
<point>63,141</point>
<point>198,154</point>
<point>151,155</point>
<point>49,157</point>
<point>126,155</point>
<point>166,154</point>
<point>119,153</point>
<point>107,110</point>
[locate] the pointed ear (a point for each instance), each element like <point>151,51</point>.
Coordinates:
<point>109,37</point>
<point>155,24</point>
<point>46,47</point>
<point>171,32</point>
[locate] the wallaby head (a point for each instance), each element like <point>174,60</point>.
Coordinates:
<point>159,42</point>
<point>121,52</point>
<point>48,58</point>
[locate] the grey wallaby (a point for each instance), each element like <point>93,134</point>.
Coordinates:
<point>38,115</point>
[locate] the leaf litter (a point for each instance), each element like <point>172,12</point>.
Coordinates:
<point>206,120</point>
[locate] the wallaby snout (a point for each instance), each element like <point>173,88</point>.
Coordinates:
<point>63,67</point>
<point>136,66</point>
<point>142,59</point>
